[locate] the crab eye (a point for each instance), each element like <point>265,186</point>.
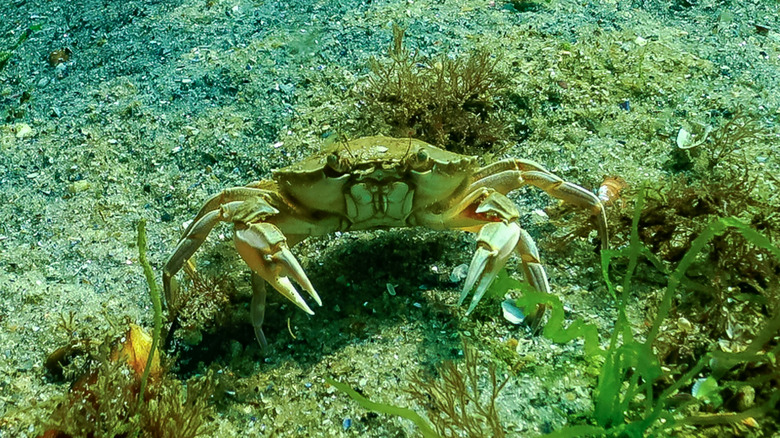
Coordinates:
<point>336,163</point>
<point>420,160</point>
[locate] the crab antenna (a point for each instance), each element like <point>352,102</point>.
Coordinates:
<point>345,143</point>
<point>409,147</point>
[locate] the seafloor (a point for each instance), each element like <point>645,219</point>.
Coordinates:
<point>113,111</point>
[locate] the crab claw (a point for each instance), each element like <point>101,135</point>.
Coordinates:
<point>264,248</point>
<point>495,244</point>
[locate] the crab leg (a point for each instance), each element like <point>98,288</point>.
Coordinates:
<point>219,208</point>
<point>495,243</point>
<point>494,216</point>
<point>572,194</point>
<point>192,240</point>
<point>264,248</point>
<point>496,240</point>
<point>507,175</point>
<point>257,309</point>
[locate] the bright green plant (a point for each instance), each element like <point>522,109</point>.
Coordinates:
<point>382,408</point>
<point>630,367</point>
<point>154,294</point>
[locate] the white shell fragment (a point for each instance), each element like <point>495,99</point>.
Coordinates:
<point>692,135</point>
<point>459,273</point>
<point>684,325</point>
<point>539,217</point>
<point>512,313</point>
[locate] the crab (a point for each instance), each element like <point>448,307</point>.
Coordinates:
<point>374,183</point>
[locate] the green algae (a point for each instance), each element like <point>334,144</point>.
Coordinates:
<point>384,408</point>
<point>454,402</point>
<point>631,367</point>
<point>154,296</point>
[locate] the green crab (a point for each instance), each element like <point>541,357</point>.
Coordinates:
<point>378,182</point>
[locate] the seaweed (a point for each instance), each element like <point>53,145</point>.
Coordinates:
<point>107,405</point>
<point>723,180</point>
<point>454,403</point>
<point>62,358</point>
<point>5,55</point>
<point>450,102</point>
<point>640,390</point>
<point>705,221</point>
<point>180,412</point>
<point>722,144</point>
<point>127,393</point>
<point>383,408</point>
<point>154,295</point>
<point>201,306</point>
<point>627,399</point>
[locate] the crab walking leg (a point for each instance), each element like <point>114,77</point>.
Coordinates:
<point>532,264</point>
<point>257,309</point>
<point>507,175</point>
<point>264,248</point>
<point>572,194</point>
<point>189,243</point>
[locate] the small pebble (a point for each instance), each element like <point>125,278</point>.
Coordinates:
<point>684,325</point>
<point>78,186</point>
<point>23,130</point>
<point>539,217</point>
<point>762,29</point>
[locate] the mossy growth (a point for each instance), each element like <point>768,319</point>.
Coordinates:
<point>454,402</point>
<point>104,402</point>
<point>723,180</point>
<point>449,102</point>
<point>200,306</point>
<point>645,391</point>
